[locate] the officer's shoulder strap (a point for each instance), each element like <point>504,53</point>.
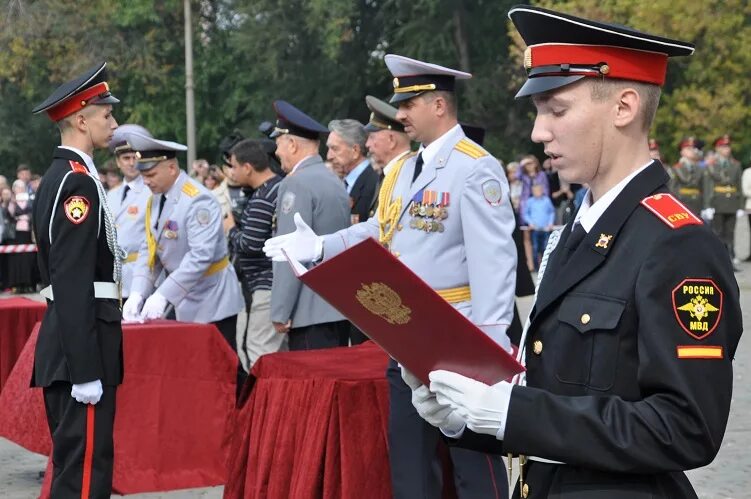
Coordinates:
<point>671,211</point>
<point>77,167</point>
<point>190,189</point>
<point>471,149</point>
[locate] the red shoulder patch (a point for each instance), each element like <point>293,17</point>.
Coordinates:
<point>78,167</point>
<point>670,210</point>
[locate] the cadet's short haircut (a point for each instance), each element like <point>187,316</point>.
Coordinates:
<point>448,97</point>
<point>352,132</point>
<point>251,151</point>
<point>649,94</point>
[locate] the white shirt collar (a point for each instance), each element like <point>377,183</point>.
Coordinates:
<point>86,159</point>
<point>300,162</point>
<point>391,163</point>
<point>589,213</point>
<point>429,152</point>
<point>134,184</point>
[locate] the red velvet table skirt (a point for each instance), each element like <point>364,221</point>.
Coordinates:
<point>315,426</point>
<point>175,409</point>
<point>17,319</point>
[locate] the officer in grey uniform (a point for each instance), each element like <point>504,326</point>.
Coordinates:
<point>128,201</point>
<point>319,198</point>
<point>184,237</point>
<point>687,177</point>
<point>445,213</point>
<point>722,193</point>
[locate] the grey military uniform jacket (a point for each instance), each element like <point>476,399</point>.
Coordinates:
<point>722,188</point>
<point>687,183</point>
<point>472,246</point>
<point>192,251</point>
<point>321,199</point>
<point>129,214</point>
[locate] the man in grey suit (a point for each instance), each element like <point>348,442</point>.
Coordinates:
<point>446,214</point>
<point>185,239</point>
<point>320,201</point>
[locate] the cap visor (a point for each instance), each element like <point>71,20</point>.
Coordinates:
<point>396,98</point>
<point>142,167</point>
<point>372,128</point>
<point>543,84</point>
<point>110,99</point>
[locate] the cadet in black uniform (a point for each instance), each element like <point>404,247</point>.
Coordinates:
<point>637,318</point>
<point>78,358</point>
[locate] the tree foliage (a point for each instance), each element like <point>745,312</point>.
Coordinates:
<point>326,55</point>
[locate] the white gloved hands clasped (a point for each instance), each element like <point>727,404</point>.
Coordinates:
<point>483,408</point>
<point>302,245</point>
<point>740,213</point>
<point>88,393</point>
<point>132,308</point>
<point>707,214</point>
<point>439,415</point>
<point>154,307</point>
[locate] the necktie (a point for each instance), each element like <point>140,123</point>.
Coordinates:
<point>161,206</point>
<point>418,168</point>
<point>573,242</point>
<point>125,193</point>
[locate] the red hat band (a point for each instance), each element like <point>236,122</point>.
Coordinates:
<point>722,141</point>
<point>77,101</point>
<point>598,60</point>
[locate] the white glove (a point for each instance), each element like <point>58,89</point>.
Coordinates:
<point>132,308</point>
<point>707,214</point>
<point>740,213</point>
<point>302,245</point>
<point>483,408</point>
<point>439,415</point>
<point>154,307</point>
<point>87,393</point>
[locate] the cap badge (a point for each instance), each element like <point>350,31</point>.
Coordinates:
<point>528,58</point>
<point>396,82</point>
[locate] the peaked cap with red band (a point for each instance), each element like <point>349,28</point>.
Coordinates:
<point>89,88</point>
<point>722,141</point>
<point>563,49</point>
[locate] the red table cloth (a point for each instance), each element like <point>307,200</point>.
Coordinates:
<point>17,319</point>
<point>175,409</point>
<point>315,426</point>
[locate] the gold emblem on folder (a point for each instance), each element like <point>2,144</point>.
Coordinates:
<point>384,302</point>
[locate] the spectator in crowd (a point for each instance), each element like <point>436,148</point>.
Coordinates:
<point>21,266</point>
<point>113,178</point>
<point>746,187</point>
<point>560,192</point>
<point>531,173</point>
<point>23,173</point>
<point>4,182</point>
<point>250,168</point>
<point>8,234</point>
<point>654,150</point>
<point>514,184</point>
<point>34,184</point>
<point>579,197</point>
<point>217,184</point>
<point>540,216</point>
<point>199,170</point>
<point>346,151</point>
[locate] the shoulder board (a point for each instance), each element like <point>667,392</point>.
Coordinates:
<point>78,167</point>
<point>671,211</point>
<point>470,149</point>
<point>190,189</point>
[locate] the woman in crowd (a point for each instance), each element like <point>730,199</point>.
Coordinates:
<point>22,270</point>
<point>514,184</point>
<point>217,184</point>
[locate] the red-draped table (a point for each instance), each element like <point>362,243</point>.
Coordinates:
<point>175,409</point>
<point>17,319</point>
<point>315,426</point>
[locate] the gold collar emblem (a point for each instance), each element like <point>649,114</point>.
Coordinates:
<point>604,241</point>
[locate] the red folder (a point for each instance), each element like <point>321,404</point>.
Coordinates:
<point>405,316</point>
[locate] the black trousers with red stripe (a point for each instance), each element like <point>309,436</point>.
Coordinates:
<point>82,446</point>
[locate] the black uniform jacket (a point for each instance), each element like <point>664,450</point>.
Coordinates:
<point>81,338</point>
<point>363,192</point>
<point>629,373</point>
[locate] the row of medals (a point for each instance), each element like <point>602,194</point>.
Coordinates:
<point>427,217</point>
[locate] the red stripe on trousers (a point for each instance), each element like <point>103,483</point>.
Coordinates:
<point>492,476</point>
<point>88,453</point>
